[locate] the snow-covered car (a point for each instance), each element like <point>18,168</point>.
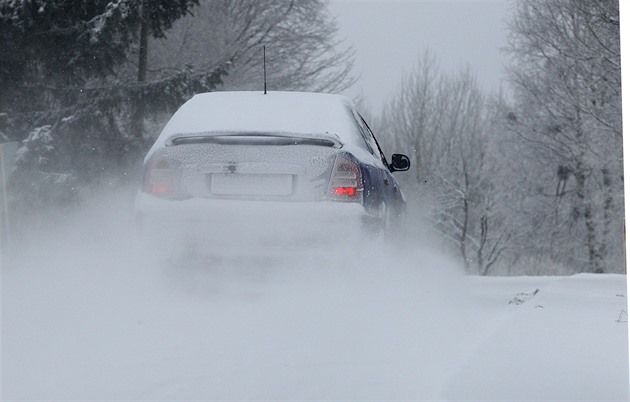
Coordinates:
<point>278,167</point>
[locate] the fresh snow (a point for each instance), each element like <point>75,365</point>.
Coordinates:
<point>304,113</point>
<point>87,316</point>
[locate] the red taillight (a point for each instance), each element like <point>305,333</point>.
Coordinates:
<point>159,178</point>
<point>345,181</point>
<point>349,191</point>
<point>161,188</point>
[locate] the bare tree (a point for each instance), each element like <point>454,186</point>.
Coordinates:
<point>536,180</point>
<point>470,211</point>
<point>412,117</point>
<point>566,78</point>
<point>303,50</point>
<point>442,119</point>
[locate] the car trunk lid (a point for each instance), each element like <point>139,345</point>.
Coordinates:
<point>277,166</point>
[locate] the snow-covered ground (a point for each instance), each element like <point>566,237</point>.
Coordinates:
<point>86,316</point>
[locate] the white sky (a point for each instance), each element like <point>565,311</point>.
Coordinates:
<point>388,37</point>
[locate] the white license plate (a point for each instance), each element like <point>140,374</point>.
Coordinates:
<point>251,184</point>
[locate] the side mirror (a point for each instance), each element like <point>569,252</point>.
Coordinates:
<point>400,163</point>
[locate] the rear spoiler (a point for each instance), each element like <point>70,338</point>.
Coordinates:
<point>253,138</point>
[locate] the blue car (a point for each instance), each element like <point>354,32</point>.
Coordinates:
<point>276,168</point>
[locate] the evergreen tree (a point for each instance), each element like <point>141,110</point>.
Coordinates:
<point>65,67</point>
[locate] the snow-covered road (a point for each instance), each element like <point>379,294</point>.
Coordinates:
<point>85,316</point>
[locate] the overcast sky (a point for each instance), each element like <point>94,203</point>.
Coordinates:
<point>388,37</point>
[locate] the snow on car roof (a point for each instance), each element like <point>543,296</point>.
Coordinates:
<point>274,112</point>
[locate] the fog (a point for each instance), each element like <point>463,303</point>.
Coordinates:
<point>262,309</point>
<point>89,313</point>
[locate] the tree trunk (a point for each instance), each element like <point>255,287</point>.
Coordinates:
<point>143,53</point>
<point>464,233</point>
<point>594,257</point>
<point>608,213</point>
<point>483,237</point>
<point>586,205</point>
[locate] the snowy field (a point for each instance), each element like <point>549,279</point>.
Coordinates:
<point>86,316</point>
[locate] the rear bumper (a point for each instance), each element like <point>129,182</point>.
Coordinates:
<point>217,223</point>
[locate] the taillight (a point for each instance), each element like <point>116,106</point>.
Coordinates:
<point>345,181</point>
<point>160,178</point>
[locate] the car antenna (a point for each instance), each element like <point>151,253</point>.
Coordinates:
<point>264,70</point>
